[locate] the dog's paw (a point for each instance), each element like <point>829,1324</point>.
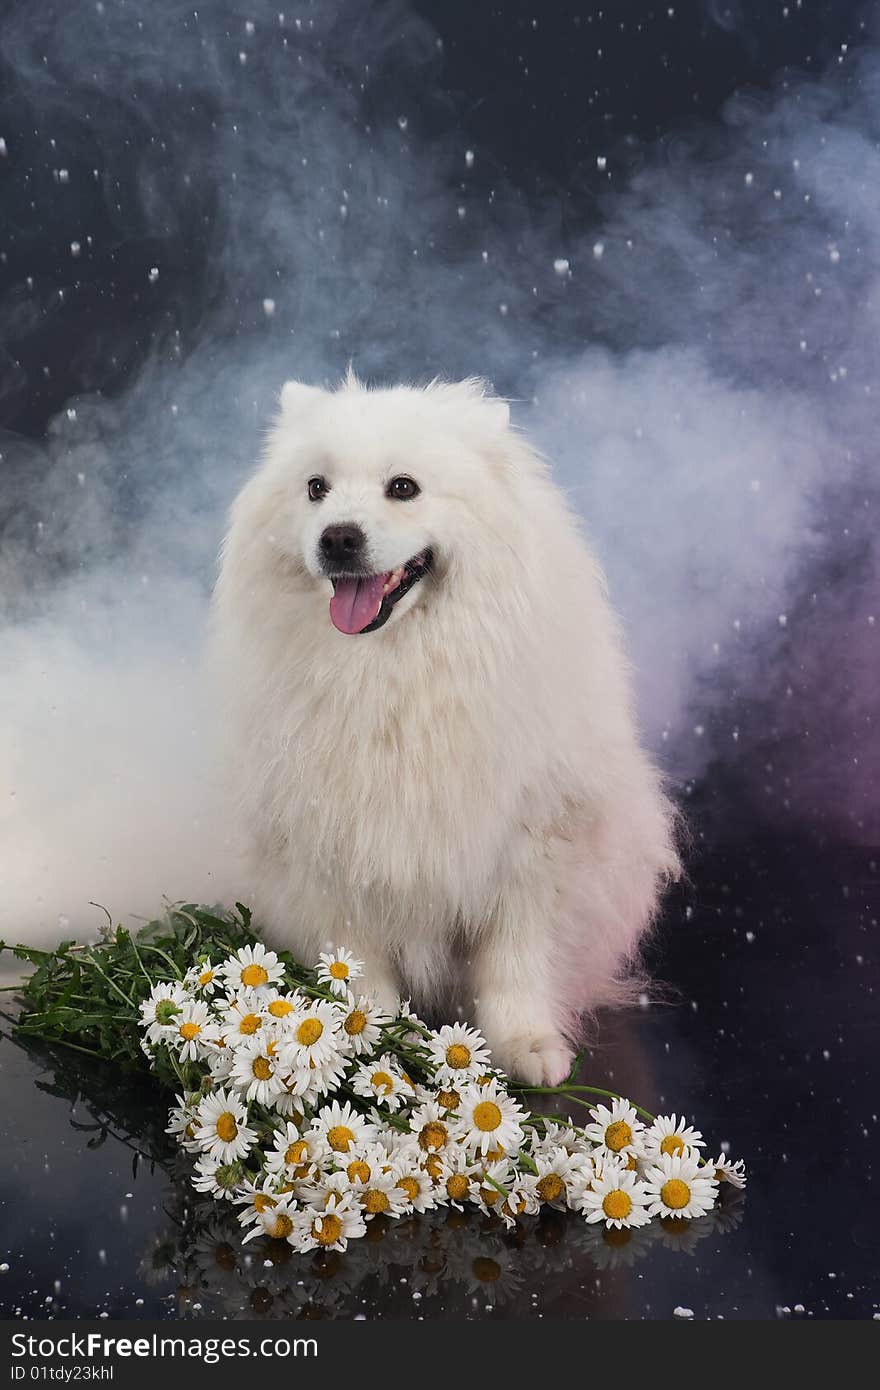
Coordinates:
<point>544,1060</point>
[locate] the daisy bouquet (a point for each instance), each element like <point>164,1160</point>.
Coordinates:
<point>311,1112</point>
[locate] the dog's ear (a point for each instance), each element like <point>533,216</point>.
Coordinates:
<point>296,397</point>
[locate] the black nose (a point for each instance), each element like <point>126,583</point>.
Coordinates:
<point>343,546</point>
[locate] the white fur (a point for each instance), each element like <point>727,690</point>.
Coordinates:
<point>468,775</point>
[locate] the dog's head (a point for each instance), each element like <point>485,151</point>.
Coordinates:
<point>380,494</point>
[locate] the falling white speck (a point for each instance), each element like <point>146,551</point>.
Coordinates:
<point>750,936</point>
<point>679,1312</point>
<point>64,176</point>
<point>560,265</point>
<point>469,158</point>
<point>242,58</point>
<point>268,307</point>
<point>749,180</point>
<point>598,249</point>
<point>833,255</point>
<point>601,162</point>
<point>249,26</point>
<point>153,274</point>
<point>502,309</point>
<point>403,122</point>
<point>75,248</point>
<point>3,149</point>
<point>70,412</point>
<point>782,620</point>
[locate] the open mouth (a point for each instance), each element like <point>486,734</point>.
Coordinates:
<point>362,603</point>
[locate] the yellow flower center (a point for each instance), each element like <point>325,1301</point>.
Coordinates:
<point>340,1138</point>
<point>617,1136</point>
<point>411,1187</point>
<point>457,1187</point>
<point>450,1100</point>
<point>487,1116</point>
<point>254,975</point>
<point>382,1082</point>
<point>550,1188</point>
<point>672,1144</point>
<point>675,1194</point>
<point>296,1152</point>
<point>280,1008</point>
<point>376,1202</point>
<point>190,1031</point>
<point>263,1202</point>
<point>262,1068</point>
<point>516,1210</point>
<point>617,1205</point>
<point>355,1023</point>
<point>328,1231</point>
<point>358,1171</point>
<point>457,1055</point>
<point>433,1166</point>
<point>226,1127</point>
<point>433,1135</point>
<point>339,970</point>
<point>486,1270</point>
<point>249,1024</point>
<point>206,977</point>
<point>281,1227</point>
<point>309,1031</point>
<point>489,1195</point>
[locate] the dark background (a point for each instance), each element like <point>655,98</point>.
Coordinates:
<point>771,949</point>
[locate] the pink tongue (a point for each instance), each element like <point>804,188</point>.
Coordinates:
<point>356,602</point>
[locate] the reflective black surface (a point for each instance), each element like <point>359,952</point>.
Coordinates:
<point>771,1045</point>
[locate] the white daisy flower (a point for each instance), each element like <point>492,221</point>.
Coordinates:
<point>669,1135</point>
<point>159,1012</point>
<point>521,1200</point>
<point>204,977</point>
<point>679,1185</point>
<point>310,1084</point>
<point>241,1016</point>
<point>363,1164</point>
<point>381,1195</point>
<point>281,1007</point>
<point>253,967</point>
<point>256,1197</point>
<point>295,1156</point>
<point>222,1129</point>
<point>432,1126</point>
<point>415,1182</point>
<point>343,1129</point>
<point>182,1124</point>
<point>220,1180</point>
<point>616,1131</point>
<point>560,1174</point>
<point>330,1229</point>
<point>560,1136</point>
<point>495,1181</point>
<point>381,1081</point>
<point>361,1025</point>
<point>490,1119</point>
<point>725,1169</point>
<point>309,1037</point>
<point>337,969</point>
<point>460,1175</point>
<point>256,1070</point>
<point>459,1054</point>
<point>275,1221</point>
<point>193,1031</point>
<point>617,1197</point>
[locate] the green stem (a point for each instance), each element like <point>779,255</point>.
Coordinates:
<point>566,1090</point>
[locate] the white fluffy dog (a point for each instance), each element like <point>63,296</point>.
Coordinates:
<point>430,715</point>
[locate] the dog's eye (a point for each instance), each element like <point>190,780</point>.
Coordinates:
<point>402,489</point>
<point>318,488</point>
